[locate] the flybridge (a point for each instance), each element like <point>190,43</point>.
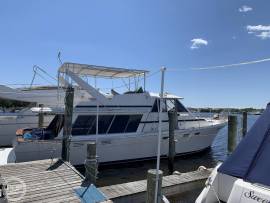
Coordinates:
<point>75,71</point>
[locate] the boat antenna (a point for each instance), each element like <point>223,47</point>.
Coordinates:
<point>58,76</point>
<point>59,57</point>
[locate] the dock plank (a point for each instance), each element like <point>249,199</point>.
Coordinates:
<point>44,181</point>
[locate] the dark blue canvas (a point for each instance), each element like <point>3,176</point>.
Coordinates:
<point>251,159</point>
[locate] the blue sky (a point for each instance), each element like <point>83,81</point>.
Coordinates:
<point>146,34</point>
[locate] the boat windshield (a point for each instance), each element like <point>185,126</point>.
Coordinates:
<point>168,105</point>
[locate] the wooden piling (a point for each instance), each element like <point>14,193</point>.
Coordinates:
<point>67,123</point>
<point>91,164</point>
<point>41,116</point>
<point>151,185</point>
<point>172,114</point>
<point>232,132</point>
<point>244,123</point>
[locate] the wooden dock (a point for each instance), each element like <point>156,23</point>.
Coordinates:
<point>41,181</point>
<point>55,181</point>
<point>172,185</point>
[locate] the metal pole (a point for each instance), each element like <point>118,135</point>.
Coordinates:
<point>97,118</point>
<point>58,88</point>
<point>159,131</point>
<point>144,78</point>
<point>129,84</point>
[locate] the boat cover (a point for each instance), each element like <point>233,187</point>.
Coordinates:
<point>250,160</point>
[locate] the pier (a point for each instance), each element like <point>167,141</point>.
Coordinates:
<point>54,180</point>
<point>172,185</point>
<point>40,181</point>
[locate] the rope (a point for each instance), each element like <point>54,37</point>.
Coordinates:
<point>222,66</point>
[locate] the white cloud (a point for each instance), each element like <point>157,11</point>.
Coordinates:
<point>245,9</point>
<point>261,31</point>
<point>258,28</point>
<point>198,42</point>
<point>264,35</point>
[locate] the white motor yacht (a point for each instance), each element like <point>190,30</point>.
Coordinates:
<point>124,126</point>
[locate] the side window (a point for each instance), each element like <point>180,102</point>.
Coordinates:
<point>180,107</point>
<point>84,125</point>
<point>104,123</point>
<point>119,124</point>
<point>133,123</point>
<point>155,107</point>
<point>170,104</point>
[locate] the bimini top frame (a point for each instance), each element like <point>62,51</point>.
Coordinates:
<point>100,71</point>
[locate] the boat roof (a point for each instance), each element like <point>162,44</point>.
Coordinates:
<point>100,71</point>
<point>165,96</point>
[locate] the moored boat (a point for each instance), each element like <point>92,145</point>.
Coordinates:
<point>124,126</point>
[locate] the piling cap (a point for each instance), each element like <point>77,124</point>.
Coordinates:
<point>154,171</point>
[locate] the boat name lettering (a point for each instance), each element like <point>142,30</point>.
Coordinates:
<point>253,196</point>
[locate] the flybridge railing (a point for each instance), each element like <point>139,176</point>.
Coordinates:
<point>39,71</point>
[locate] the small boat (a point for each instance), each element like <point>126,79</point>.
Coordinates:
<point>244,176</point>
<point>124,126</point>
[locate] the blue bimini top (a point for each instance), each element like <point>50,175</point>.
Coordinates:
<point>251,159</point>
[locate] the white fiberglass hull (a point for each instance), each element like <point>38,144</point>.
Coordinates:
<point>115,148</point>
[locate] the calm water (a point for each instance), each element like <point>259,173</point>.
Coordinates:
<point>137,171</point>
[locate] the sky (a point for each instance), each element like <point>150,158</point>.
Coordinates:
<point>177,34</point>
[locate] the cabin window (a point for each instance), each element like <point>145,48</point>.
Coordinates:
<point>84,125</point>
<point>56,125</point>
<point>133,123</point>
<point>125,123</point>
<point>180,107</point>
<point>119,124</point>
<point>170,104</point>
<point>155,107</point>
<point>104,123</point>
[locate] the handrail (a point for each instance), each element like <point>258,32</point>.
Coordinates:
<point>37,68</point>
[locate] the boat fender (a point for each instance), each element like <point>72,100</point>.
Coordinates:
<point>202,168</point>
<point>176,173</point>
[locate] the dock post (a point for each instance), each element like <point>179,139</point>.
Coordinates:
<point>244,124</point>
<point>41,116</point>
<point>172,114</point>
<point>91,164</point>
<point>67,123</point>
<point>151,185</point>
<point>232,132</point>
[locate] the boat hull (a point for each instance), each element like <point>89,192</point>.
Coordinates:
<point>119,148</point>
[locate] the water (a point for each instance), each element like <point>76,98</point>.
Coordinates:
<point>117,174</point>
